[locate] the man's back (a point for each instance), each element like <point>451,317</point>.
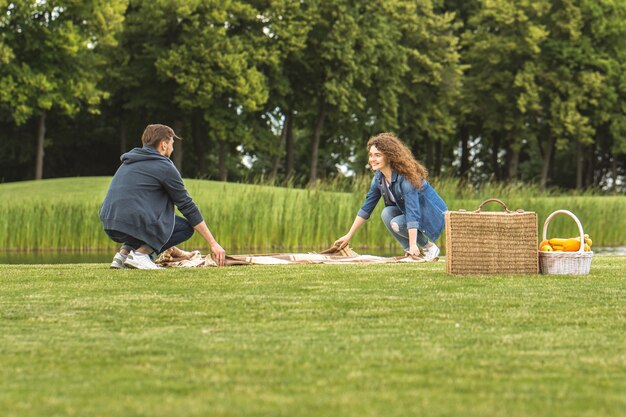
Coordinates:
<point>142,195</point>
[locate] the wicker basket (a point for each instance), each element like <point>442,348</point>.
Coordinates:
<point>574,263</point>
<point>492,242</point>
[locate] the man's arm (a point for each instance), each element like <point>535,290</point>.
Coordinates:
<point>173,184</point>
<point>218,251</point>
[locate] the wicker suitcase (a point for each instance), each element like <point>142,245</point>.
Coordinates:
<point>486,242</point>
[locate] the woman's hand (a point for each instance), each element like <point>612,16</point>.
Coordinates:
<point>219,253</point>
<point>342,242</point>
<point>414,250</point>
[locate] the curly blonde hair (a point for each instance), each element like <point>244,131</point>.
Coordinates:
<point>399,157</point>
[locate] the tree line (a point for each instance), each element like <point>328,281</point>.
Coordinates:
<point>289,91</point>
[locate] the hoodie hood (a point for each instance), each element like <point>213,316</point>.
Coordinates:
<point>141,154</point>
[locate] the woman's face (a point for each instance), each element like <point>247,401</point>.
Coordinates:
<point>376,159</point>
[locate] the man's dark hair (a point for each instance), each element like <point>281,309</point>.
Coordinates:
<point>154,134</point>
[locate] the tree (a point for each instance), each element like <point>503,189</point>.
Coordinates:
<point>52,58</point>
<point>347,77</point>
<point>215,65</point>
<point>543,74</point>
<point>431,87</point>
<point>503,43</point>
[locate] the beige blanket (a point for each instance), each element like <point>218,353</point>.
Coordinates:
<point>177,258</point>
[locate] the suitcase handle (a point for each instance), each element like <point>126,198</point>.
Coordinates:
<point>492,200</point>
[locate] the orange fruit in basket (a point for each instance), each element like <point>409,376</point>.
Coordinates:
<point>571,245</point>
<point>544,243</point>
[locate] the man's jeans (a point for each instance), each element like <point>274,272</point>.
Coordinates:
<point>182,232</point>
<point>396,223</point>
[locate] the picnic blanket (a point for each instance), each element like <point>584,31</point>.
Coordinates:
<point>177,258</point>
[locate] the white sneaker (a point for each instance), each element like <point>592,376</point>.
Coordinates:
<point>137,260</point>
<point>118,261</point>
<point>431,252</point>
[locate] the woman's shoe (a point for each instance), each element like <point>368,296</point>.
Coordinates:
<point>431,252</point>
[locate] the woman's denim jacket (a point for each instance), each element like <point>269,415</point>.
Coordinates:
<point>423,209</point>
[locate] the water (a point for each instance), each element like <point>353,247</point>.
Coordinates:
<point>610,250</point>
<point>105,257</point>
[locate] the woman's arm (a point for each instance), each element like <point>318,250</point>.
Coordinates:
<point>343,241</point>
<point>371,199</point>
<point>413,248</point>
<point>413,214</point>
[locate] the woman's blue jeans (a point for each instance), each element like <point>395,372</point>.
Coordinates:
<point>182,232</point>
<point>396,223</point>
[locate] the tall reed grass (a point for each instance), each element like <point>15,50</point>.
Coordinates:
<point>62,214</point>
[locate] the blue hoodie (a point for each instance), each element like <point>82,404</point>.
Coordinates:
<point>141,197</point>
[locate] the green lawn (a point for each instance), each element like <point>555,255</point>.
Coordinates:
<point>313,340</point>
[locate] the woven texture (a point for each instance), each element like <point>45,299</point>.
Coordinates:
<point>562,263</point>
<point>491,242</point>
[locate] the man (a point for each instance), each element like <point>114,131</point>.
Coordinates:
<point>138,210</point>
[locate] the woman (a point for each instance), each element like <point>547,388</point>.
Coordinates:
<point>414,212</point>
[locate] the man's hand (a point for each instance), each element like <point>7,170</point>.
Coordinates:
<point>218,253</point>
